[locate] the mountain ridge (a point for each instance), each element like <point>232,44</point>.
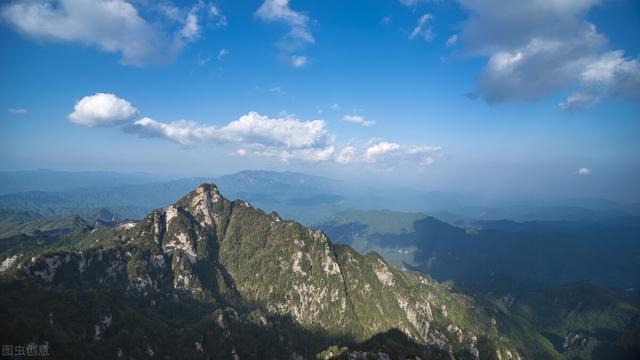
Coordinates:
<point>222,253</point>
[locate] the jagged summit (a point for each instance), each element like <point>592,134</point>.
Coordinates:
<point>226,254</point>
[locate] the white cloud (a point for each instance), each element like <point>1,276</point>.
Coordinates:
<point>191,29</point>
<point>335,107</point>
<point>216,13</point>
<point>423,29</point>
<point>386,154</point>
<point>299,61</point>
<point>357,119</point>
<point>308,154</point>
<point>584,171</point>
<point>426,162</point>
<point>182,131</point>
<point>114,26</point>
<point>170,11</point>
<point>101,109</point>
<point>346,155</point>
<point>222,53</point>
<point>452,40</point>
<point>17,111</point>
<point>414,150</point>
<point>298,36</point>
<point>578,101</point>
<point>414,3</point>
<point>279,11</point>
<point>538,47</point>
<point>375,151</point>
<point>289,132</point>
<point>611,76</point>
<point>532,71</point>
<point>286,138</point>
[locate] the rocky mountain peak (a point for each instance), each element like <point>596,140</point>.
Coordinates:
<point>222,253</point>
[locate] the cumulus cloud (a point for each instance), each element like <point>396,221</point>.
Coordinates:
<point>423,29</point>
<point>538,47</point>
<point>17,111</point>
<point>584,171</point>
<point>611,76</point>
<point>298,36</point>
<point>357,119</point>
<point>114,26</point>
<point>101,109</point>
<point>182,131</point>
<point>377,152</point>
<point>287,138</point>
<point>289,132</point>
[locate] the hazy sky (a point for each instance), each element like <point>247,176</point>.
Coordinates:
<point>534,98</point>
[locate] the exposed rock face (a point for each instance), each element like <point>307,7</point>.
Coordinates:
<point>8,262</point>
<point>229,253</point>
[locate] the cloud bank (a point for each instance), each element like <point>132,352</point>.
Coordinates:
<point>285,138</point>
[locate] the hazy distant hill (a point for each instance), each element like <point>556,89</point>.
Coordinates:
<point>303,197</point>
<point>548,252</point>
<point>53,180</point>
<point>306,198</point>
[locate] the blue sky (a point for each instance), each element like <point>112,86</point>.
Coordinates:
<point>470,95</point>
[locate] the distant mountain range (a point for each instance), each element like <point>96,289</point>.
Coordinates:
<point>306,198</point>
<point>549,253</point>
<point>53,180</point>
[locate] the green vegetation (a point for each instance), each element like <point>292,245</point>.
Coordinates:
<point>581,321</point>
